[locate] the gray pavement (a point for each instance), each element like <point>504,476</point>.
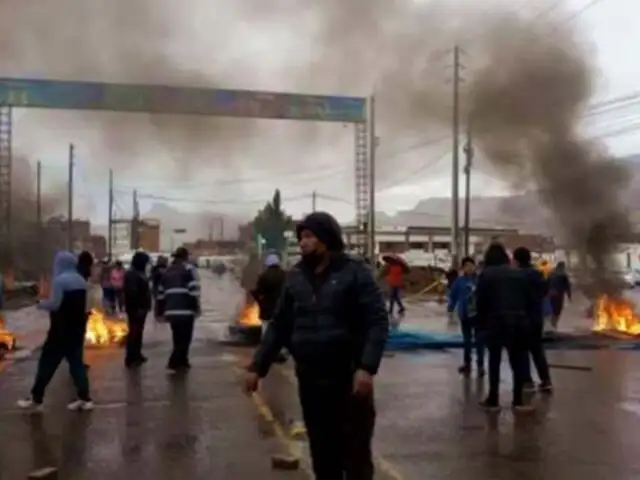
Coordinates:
<point>429,426</point>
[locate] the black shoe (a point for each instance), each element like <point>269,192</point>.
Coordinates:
<point>281,358</point>
<point>523,408</point>
<point>464,370</point>
<point>481,372</point>
<point>529,387</point>
<point>135,362</point>
<point>489,405</point>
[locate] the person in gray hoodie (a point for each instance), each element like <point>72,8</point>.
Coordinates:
<point>67,307</point>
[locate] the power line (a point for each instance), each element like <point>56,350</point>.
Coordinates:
<point>582,10</point>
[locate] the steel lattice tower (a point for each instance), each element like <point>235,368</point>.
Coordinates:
<point>362,182</point>
<point>6,161</point>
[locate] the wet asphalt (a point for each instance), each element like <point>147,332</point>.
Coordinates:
<point>148,425</point>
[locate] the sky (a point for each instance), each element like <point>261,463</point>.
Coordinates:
<point>233,166</point>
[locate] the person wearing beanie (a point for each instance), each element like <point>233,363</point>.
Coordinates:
<point>267,292</point>
<point>539,288</point>
<point>332,317</point>
<point>503,302</point>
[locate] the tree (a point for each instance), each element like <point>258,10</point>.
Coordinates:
<point>271,223</point>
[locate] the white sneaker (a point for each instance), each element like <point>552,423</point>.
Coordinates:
<point>81,406</point>
<point>29,404</point>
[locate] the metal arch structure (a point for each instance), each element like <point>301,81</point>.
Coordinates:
<point>66,95</point>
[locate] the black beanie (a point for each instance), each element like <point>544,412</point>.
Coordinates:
<point>325,228</point>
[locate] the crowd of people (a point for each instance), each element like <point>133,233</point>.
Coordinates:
<point>80,285</point>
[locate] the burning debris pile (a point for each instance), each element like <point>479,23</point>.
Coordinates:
<point>7,339</point>
<point>615,314</point>
<point>104,331</point>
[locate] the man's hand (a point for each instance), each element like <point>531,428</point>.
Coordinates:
<point>363,383</point>
<point>251,382</point>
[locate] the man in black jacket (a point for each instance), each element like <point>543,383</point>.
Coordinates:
<point>332,318</point>
<point>503,302</point>
<point>179,303</point>
<point>539,289</point>
<point>137,302</point>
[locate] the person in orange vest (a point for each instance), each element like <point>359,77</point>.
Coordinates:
<point>395,282</point>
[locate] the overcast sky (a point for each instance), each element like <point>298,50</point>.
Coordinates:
<point>240,164</point>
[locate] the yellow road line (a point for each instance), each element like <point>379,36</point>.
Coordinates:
<point>383,465</point>
<point>292,447</point>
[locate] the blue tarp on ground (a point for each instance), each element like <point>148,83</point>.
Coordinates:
<point>405,339</point>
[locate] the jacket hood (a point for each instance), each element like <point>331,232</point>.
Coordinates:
<point>139,261</point>
<point>326,229</point>
<point>64,262</point>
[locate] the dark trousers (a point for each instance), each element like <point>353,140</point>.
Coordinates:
<point>538,356</point>
<point>395,298</point>
<point>56,347</point>
<point>515,343</point>
<point>557,305</point>
<point>339,427</point>
<point>182,334</point>
<point>472,337</point>
<point>136,322</point>
<point>119,294</point>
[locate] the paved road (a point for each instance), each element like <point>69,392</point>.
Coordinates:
<point>150,427</point>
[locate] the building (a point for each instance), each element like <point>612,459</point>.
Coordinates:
<point>56,232</point>
<point>207,248</point>
<point>148,235</point>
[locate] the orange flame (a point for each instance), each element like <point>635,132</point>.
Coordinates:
<point>7,339</point>
<point>250,314</point>
<point>103,330</point>
<point>616,314</point>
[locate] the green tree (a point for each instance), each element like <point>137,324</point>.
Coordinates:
<point>271,223</point>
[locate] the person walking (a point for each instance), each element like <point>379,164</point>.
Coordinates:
<point>179,304</point>
<point>67,307</point>
<point>157,273</point>
<point>332,318</point>
<point>117,283</point>
<point>559,288</point>
<point>539,287</point>
<point>462,300</point>
<point>267,292</point>
<point>503,303</point>
<point>137,302</point>
<point>394,276</point>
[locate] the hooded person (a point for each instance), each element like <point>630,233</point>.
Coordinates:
<point>85,264</point>
<point>331,316</point>
<point>559,288</point>
<point>137,303</point>
<point>504,301</point>
<point>67,307</point>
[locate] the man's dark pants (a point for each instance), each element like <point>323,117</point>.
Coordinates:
<point>182,334</point>
<point>339,426</point>
<point>136,322</point>
<point>513,339</point>
<point>538,356</point>
<point>61,345</point>
<point>395,298</point>
<point>472,336</point>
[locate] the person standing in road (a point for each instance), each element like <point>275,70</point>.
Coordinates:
<point>503,301</point>
<point>67,307</point>
<point>137,301</point>
<point>559,288</point>
<point>539,287</point>
<point>462,299</point>
<point>332,318</point>
<point>394,277</point>
<point>156,277</point>
<point>179,303</point>
<point>267,292</point>
<point>117,283</point>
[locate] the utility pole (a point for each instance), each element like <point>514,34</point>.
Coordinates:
<point>373,144</point>
<point>314,201</point>
<point>135,223</point>
<point>70,199</point>
<point>110,219</point>
<point>455,190</point>
<point>39,216</point>
<point>468,152</point>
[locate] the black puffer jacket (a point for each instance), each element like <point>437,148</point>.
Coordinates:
<point>342,326</point>
<point>505,299</point>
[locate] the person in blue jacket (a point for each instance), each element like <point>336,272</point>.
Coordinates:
<point>462,300</point>
<point>68,315</point>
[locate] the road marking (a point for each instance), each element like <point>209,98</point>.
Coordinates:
<point>293,448</point>
<point>383,464</point>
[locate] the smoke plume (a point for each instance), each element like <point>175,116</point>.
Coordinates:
<point>526,80</point>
